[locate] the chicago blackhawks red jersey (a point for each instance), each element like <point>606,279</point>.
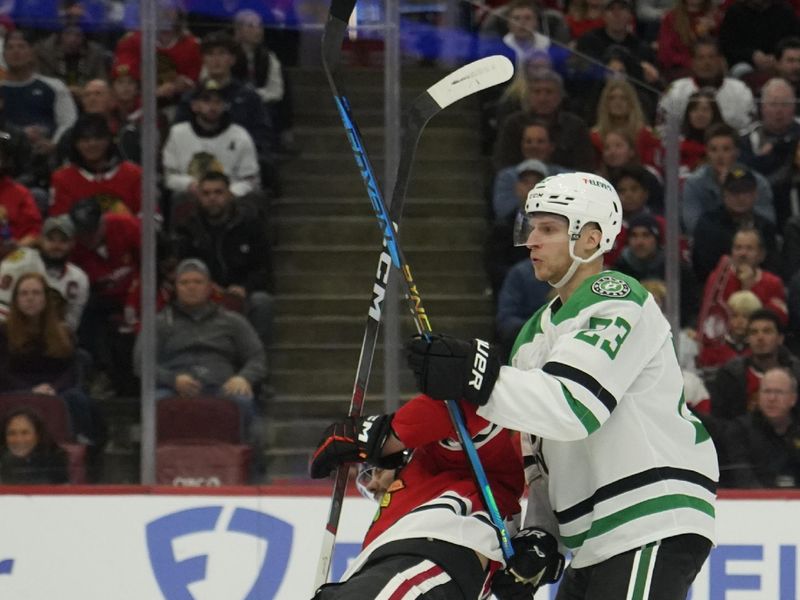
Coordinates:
<point>113,265</point>
<point>119,189</point>
<point>434,495</point>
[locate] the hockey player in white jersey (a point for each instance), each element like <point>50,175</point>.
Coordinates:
<point>50,259</point>
<point>616,464</point>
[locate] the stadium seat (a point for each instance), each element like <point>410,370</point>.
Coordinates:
<point>52,409</point>
<point>200,419</point>
<point>198,465</point>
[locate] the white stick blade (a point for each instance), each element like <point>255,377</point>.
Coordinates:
<point>474,77</point>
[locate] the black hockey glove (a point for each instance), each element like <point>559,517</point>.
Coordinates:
<point>447,368</point>
<point>352,440</point>
<point>536,561</point>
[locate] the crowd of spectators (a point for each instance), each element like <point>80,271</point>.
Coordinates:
<point>728,73</point>
<point>596,81</point>
<point>71,211</point>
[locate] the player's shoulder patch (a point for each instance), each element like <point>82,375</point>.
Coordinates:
<point>611,287</point>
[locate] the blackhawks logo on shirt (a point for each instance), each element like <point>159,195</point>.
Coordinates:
<point>611,287</point>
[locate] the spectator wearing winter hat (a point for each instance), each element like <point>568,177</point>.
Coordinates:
<point>96,169</point>
<point>643,258</point>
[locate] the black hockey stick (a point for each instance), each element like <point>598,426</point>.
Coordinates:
<point>469,79</point>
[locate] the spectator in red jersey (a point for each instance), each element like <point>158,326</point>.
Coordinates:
<point>619,152</point>
<point>743,272</point>
<point>681,27</point>
<point>20,219</point>
<point>179,60</point>
<point>583,16</point>
<point>735,387</point>
<point>108,249</point>
<point>715,352</point>
<point>97,170</point>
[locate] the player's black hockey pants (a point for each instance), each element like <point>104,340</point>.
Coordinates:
<point>661,571</point>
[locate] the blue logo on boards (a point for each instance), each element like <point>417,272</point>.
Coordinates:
<point>6,566</point>
<point>174,576</point>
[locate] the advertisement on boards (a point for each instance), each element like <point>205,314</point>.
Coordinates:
<point>130,547</point>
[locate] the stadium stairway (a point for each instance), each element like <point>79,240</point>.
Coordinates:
<point>327,244</point>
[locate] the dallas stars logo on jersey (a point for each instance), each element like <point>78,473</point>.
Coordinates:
<point>611,287</point>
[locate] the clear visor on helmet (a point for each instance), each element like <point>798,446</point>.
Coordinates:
<point>365,474</point>
<point>522,229</point>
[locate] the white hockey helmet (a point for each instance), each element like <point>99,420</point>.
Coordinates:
<point>581,198</point>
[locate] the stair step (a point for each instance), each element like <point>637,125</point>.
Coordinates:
<point>296,206</point>
<point>344,329</point>
<point>326,163</point>
<point>337,259</point>
<point>324,381</point>
<point>415,231</point>
<point>450,184</point>
<point>447,141</point>
<point>357,304</point>
<point>323,114</point>
<point>326,282</point>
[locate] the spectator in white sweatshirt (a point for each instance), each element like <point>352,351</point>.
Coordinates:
<point>210,141</point>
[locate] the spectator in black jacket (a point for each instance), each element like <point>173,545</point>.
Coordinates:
<point>713,235</point>
<point>227,235</point>
<point>28,455</point>
<point>749,31</point>
<point>617,19</point>
<point>735,387</point>
<point>763,447</point>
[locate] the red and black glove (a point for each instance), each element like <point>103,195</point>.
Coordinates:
<point>352,440</point>
<point>536,562</point>
<point>447,368</point>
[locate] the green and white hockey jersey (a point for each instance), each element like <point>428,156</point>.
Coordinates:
<point>598,381</point>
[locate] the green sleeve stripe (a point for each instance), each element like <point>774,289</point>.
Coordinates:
<point>584,296</point>
<point>642,509</point>
<point>585,416</point>
<point>531,329</point>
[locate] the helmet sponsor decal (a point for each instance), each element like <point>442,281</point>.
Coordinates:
<point>611,287</point>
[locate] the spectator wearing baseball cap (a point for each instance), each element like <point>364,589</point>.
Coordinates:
<point>715,230</point>
<point>49,258</point>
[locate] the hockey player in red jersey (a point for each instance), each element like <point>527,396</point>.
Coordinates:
<point>431,536</point>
